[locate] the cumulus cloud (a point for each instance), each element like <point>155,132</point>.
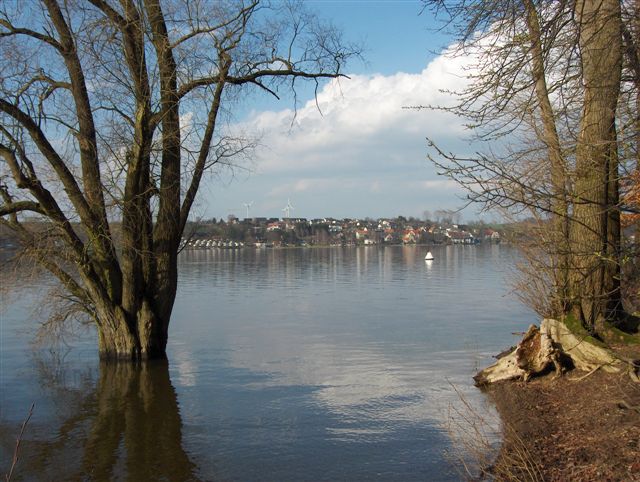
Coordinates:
<point>356,150</point>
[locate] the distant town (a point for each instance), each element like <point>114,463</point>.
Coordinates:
<point>282,232</point>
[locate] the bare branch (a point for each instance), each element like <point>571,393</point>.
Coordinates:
<point>20,206</point>
<point>30,33</point>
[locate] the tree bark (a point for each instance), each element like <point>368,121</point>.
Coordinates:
<point>595,225</point>
<point>121,336</point>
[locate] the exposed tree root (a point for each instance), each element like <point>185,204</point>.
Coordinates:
<point>553,346</point>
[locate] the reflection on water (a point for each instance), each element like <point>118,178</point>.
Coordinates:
<point>291,364</point>
<point>137,407</point>
<point>125,426</point>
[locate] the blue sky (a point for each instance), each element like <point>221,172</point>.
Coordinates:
<point>364,155</point>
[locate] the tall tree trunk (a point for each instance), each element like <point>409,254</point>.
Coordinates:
<point>595,228</point>
<point>559,202</point>
<point>166,232</point>
<point>632,38</point>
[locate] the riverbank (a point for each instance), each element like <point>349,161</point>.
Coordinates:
<point>576,427</point>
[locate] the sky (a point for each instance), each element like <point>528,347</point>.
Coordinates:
<point>363,154</point>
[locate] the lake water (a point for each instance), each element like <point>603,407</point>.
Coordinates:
<point>284,365</point>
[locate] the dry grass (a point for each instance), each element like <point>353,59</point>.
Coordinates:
<point>476,452</point>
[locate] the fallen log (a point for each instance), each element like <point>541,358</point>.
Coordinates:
<point>551,347</point>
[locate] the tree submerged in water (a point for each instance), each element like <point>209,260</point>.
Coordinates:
<point>110,115</point>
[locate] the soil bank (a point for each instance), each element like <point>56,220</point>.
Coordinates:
<point>573,428</point>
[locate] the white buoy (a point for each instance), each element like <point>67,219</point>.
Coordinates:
<point>429,256</point>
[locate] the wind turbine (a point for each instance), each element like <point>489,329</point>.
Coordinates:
<point>287,209</point>
<point>248,205</point>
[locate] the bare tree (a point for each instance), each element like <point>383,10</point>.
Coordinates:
<point>110,114</point>
<point>545,93</point>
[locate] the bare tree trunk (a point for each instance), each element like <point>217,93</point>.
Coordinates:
<point>632,38</point>
<point>595,227</point>
<point>559,202</point>
<point>166,233</point>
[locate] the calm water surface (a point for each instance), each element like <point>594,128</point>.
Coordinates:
<point>290,364</point>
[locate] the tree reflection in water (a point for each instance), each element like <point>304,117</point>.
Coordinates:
<point>128,429</point>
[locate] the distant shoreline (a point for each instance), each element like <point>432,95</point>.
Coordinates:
<point>312,246</point>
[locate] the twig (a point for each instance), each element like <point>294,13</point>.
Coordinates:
<point>579,379</point>
<point>16,451</point>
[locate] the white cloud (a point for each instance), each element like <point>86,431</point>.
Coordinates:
<point>362,143</point>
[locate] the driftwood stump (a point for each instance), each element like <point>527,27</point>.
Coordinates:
<point>552,346</point>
